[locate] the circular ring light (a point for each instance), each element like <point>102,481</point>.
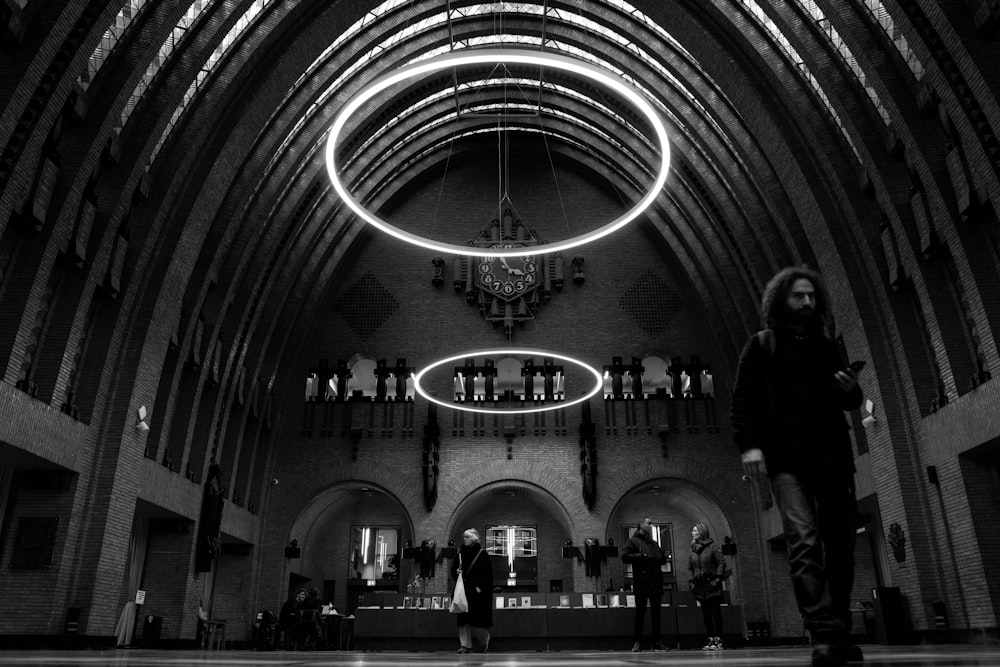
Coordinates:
<point>479,57</point>
<point>598,381</point>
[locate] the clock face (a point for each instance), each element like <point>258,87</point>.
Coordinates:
<point>508,277</point>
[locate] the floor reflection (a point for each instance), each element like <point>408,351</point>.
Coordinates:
<point>882,656</point>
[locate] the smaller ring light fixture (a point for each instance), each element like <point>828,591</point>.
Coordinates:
<point>478,57</point>
<point>509,352</point>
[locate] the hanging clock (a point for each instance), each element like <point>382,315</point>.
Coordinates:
<point>507,290</point>
<point>508,277</point>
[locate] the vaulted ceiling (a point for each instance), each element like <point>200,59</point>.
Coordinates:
<point>799,132</point>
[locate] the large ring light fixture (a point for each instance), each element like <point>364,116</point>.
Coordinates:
<point>479,57</point>
<point>509,352</point>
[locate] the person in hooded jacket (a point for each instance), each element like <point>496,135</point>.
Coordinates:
<point>707,567</point>
<point>646,558</point>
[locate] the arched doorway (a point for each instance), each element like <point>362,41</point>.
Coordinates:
<point>507,505</point>
<point>351,539</point>
<point>674,505</point>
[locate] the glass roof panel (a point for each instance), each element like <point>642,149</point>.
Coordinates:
<point>793,56</point>
<point>881,16</point>
<point>175,39</point>
<point>114,34</point>
<point>232,37</point>
<point>841,47</point>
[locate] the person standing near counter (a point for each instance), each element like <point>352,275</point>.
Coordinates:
<point>707,567</point>
<point>288,618</point>
<point>477,574</point>
<point>645,556</point>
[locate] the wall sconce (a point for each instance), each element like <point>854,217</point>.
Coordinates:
<point>141,424</point>
<point>578,276</point>
<point>450,551</point>
<point>293,550</point>
<point>569,551</point>
<point>869,420</point>
<point>437,277</point>
<point>609,550</point>
<point>593,555</point>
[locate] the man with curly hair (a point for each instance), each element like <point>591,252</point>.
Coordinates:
<point>792,389</point>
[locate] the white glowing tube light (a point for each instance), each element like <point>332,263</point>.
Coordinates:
<point>479,57</point>
<point>508,352</point>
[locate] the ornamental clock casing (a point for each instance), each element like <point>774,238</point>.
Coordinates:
<point>508,277</point>
<point>507,290</point>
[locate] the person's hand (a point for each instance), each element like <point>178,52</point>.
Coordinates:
<point>478,589</point>
<point>845,380</point>
<point>753,463</point>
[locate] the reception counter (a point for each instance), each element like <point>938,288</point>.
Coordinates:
<point>534,627</point>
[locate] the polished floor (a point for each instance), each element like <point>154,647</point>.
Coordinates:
<point>882,656</point>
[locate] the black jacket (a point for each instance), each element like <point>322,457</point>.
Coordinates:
<point>475,573</point>
<point>707,567</point>
<point>646,558</point>
<point>289,615</point>
<point>788,404</point>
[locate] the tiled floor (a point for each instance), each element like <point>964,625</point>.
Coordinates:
<point>881,656</point>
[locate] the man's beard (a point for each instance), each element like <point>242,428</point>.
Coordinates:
<point>806,317</point>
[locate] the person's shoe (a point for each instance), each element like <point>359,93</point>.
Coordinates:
<point>710,646</point>
<point>462,650</point>
<point>718,643</point>
<point>657,646</point>
<point>636,648</point>
<point>827,655</point>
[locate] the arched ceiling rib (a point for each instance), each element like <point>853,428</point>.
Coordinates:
<point>256,213</point>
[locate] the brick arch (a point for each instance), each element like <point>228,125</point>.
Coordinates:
<point>304,510</point>
<point>693,473</point>
<point>329,496</point>
<point>560,492</point>
<point>693,470</point>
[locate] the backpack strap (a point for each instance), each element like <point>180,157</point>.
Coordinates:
<point>767,340</point>
<point>478,553</point>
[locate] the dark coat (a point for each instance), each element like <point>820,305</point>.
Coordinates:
<point>289,615</point>
<point>477,574</point>
<point>786,402</point>
<point>707,567</point>
<point>646,557</point>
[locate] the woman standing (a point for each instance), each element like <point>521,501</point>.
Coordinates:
<point>707,567</point>
<point>477,575</point>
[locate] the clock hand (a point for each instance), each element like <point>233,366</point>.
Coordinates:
<point>503,263</point>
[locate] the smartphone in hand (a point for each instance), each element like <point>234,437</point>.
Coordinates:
<point>856,366</point>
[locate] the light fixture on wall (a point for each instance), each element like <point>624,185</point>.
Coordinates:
<point>570,551</point>
<point>293,550</point>
<point>141,424</point>
<point>869,420</point>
